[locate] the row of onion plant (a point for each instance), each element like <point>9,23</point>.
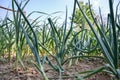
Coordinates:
<point>51,40</point>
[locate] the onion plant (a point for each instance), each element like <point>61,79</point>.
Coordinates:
<point>7,37</point>
<point>108,40</point>
<point>58,39</point>
<point>31,38</point>
<point>3,44</point>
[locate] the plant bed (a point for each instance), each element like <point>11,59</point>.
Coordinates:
<point>8,72</point>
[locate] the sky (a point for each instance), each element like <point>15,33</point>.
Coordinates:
<point>50,6</point>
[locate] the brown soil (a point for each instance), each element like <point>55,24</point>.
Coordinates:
<point>8,72</point>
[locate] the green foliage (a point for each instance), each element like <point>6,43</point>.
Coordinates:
<point>2,41</point>
<point>60,42</point>
<point>79,19</point>
<point>6,37</point>
<point>32,40</point>
<point>109,47</point>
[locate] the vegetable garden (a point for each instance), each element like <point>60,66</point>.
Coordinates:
<point>50,46</point>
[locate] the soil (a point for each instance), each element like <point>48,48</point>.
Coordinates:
<point>8,71</point>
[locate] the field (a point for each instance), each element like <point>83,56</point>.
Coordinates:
<point>86,48</point>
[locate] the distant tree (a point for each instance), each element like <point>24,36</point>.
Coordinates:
<point>79,20</point>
